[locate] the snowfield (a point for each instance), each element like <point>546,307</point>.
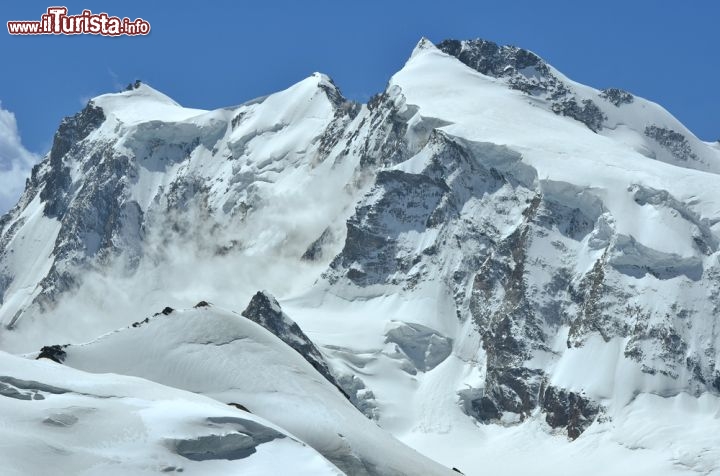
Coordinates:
<point>56,418</point>
<point>233,360</point>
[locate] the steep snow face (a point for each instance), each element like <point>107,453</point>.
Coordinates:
<point>60,419</point>
<point>489,258</point>
<point>196,203</point>
<point>644,126</point>
<point>562,246</point>
<point>134,173</point>
<point>28,254</point>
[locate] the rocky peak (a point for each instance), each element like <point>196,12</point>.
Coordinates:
<point>491,59</point>
<point>57,181</point>
<point>266,311</point>
<point>527,72</point>
<point>74,129</point>
<point>328,86</point>
<point>423,44</point>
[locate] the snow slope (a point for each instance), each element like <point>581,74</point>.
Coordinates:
<point>59,419</point>
<point>231,359</point>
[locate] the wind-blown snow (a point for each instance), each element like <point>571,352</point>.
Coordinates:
<point>15,161</point>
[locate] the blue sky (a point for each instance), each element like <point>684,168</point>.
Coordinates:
<point>219,53</point>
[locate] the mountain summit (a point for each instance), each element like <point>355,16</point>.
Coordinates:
<point>501,268</point>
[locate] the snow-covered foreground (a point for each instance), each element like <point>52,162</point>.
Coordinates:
<point>99,420</point>
<point>56,419</point>
<point>492,267</point>
<point>227,357</point>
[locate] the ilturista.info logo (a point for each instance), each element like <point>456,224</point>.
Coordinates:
<point>57,22</point>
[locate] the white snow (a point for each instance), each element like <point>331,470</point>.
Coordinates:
<point>30,258</point>
<point>115,424</point>
<point>231,359</point>
<point>142,105</point>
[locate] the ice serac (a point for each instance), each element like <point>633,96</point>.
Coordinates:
<point>424,347</point>
<point>490,258</point>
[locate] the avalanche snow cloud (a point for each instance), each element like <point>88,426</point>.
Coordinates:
<point>15,161</point>
<point>488,266</point>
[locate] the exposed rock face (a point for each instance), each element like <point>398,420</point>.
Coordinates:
<point>99,166</point>
<point>387,125</point>
<point>494,60</point>
<point>565,409</point>
<point>57,180</point>
<point>74,129</point>
<point>315,250</point>
<point>376,251</point>
<point>589,114</point>
<point>504,242</point>
<point>509,391</point>
<point>617,97</point>
<point>265,310</point>
<point>674,142</point>
<point>408,200</point>
<point>101,220</point>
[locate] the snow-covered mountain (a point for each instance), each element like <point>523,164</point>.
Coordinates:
<point>488,262</point>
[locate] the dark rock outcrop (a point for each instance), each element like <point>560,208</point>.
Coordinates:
<point>491,59</point>
<point>570,410</point>
<point>74,129</point>
<point>672,141</point>
<point>55,353</point>
<point>589,113</point>
<point>266,311</point>
<point>166,311</point>
<point>617,97</point>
